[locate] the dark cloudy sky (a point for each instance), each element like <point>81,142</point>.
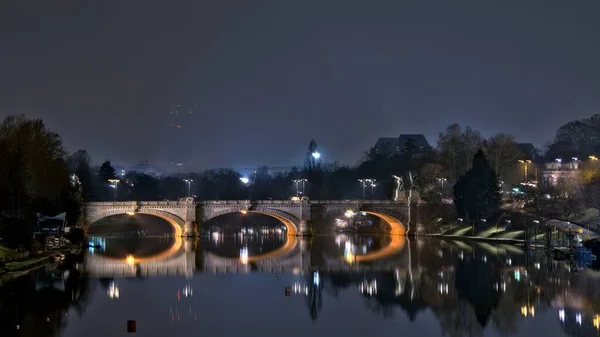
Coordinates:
<point>267,76</point>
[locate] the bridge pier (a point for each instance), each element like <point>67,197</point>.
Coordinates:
<point>190,229</point>
<point>303,229</point>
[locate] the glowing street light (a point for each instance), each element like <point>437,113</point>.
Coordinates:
<point>115,185</point>
<point>130,260</point>
<point>316,155</point>
<point>525,166</point>
<point>297,182</point>
<point>189,183</point>
<point>366,182</point>
<point>245,180</point>
<point>594,158</point>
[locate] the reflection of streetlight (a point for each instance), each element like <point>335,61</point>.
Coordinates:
<point>244,255</point>
<point>130,260</point>
<point>113,291</point>
<point>528,311</point>
<point>115,185</point>
<point>189,183</point>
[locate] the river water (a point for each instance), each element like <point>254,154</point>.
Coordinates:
<point>269,285</point>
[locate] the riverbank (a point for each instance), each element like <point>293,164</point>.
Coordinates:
<point>15,269</point>
<point>19,267</point>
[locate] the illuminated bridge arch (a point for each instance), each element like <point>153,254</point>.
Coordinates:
<point>390,213</point>
<point>290,221</point>
<point>180,214</point>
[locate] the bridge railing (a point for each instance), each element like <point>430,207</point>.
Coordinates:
<point>141,203</point>
<point>249,202</point>
<point>381,202</point>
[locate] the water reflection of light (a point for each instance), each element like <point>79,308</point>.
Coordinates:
<point>578,318</point>
<point>216,237</point>
<point>369,288</point>
<point>561,315</point>
<point>113,291</point>
<point>244,255</point>
<point>299,288</point>
<point>349,253</point>
<point>316,278</point>
<point>188,291</point>
<point>130,260</point>
<point>596,321</point>
<point>461,256</point>
<point>528,311</point>
<point>443,288</point>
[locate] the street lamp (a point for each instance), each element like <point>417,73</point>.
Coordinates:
<point>442,181</point>
<point>525,166</point>
<point>594,158</point>
<point>373,189</point>
<point>364,183</point>
<point>245,180</point>
<point>316,155</point>
<point>115,185</point>
<point>189,184</point>
<point>297,182</point>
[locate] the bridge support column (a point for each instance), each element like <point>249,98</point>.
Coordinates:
<point>190,229</point>
<point>303,229</point>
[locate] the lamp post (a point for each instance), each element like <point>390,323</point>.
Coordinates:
<point>189,185</point>
<point>442,181</point>
<point>525,166</point>
<point>297,182</point>
<point>364,183</point>
<point>373,189</point>
<point>115,185</point>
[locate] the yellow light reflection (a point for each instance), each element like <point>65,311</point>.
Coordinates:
<point>130,260</point>
<point>350,257</point>
<point>597,321</point>
<point>130,213</point>
<point>528,311</point>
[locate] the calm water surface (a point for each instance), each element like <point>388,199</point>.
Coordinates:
<point>270,285</point>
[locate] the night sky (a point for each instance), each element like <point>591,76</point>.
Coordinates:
<point>264,77</point>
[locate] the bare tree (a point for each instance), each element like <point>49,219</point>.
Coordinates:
<point>503,153</point>
<point>457,147</point>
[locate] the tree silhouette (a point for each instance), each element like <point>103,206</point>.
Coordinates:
<point>477,193</point>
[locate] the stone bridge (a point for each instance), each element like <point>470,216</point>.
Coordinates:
<point>187,216</point>
<point>180,214</point>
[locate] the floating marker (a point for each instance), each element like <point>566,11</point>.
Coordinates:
<point>131,328</point>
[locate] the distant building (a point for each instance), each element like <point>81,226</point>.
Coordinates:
<point>561,169</point>
<point>398,145</point>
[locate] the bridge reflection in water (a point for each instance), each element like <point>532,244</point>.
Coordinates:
<point>293,256</point>
<point>180,259</point>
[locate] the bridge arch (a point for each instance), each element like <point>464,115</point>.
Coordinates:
<point>391,217</point>
<point>175,221</point>
<point>289,221</point>
<point>396,226</point>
